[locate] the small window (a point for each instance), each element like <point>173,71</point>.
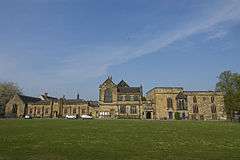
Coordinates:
<point>122,109</point>
<point>194,99</point>
<point>120,98</point>
<point>133,110</point>
<point>212,99</point>
<point>31,111</point>
<point>83,111</point>
<point>127,97</point>
<point>204,98</point>
<point>136,98</point>
<point>74,110</point>
<point>46,111</point>
<point>38,111</point>
<point>65,111</point>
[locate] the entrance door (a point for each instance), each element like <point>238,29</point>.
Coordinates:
<point>170,115</point>
<point>148,115</point>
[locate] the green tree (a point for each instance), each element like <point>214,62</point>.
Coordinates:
<point>229,84</point>
<point>7,90</point>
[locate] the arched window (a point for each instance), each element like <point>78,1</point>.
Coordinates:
<point>194,99</point>
<point>169,103</point>
<point>108,96</point>
<point>14,109</point>
<point>195,109</point>
<point>213,109</point>
<point>212,99</point>
<point>46,110</point>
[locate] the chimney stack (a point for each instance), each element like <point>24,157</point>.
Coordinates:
<point>78,96</point>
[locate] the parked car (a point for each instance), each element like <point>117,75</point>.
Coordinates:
<point>86,117</point>
<point>28,117</point>
<point>71,117</point>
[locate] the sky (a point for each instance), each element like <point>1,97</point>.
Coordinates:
<point>67,47</point>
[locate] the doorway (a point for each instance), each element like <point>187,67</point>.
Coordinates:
<point>148,115</point>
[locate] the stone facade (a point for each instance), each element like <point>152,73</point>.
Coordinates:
<point>119,100</point>
<point>123,101</point>
<point>199,105</point>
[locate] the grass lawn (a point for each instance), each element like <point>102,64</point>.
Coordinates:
<point>118,139</point>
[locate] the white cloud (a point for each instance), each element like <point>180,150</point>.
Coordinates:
<point>97,62</point>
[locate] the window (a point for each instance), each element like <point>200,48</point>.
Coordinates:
<point>38,111</point>
<point>14,109</point>
<point>47,111</point>
<point>83,111</point>
<point>120,98</point>
<point>136,98</point>
<point>181,104</point>
<point>127,97</point>
<point>108,96</point>
<point>65,110</point>
<point>204,98</point>
<point>213,109</point>
<point>31,111</point>
<point>195,109</point>
<point>212,99</point>
<point>169,103</point>
<point>194,99</point>
<point>74,110</point>
<point>122,109</point>
<point>133,110</point>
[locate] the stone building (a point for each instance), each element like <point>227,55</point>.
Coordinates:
<point>18,105</point>
<point>201,105</point>
<point>119,100</point>
<point>48,107</point>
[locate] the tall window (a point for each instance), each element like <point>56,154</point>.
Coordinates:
<point>122,109</point>
<point>120,98</point>
<point>14,109</point>
<point>108,96</point>
<point>194,99</point>
<point>47,111</point>
<point>38,111</point>
<point>195,109</point>
<point>65,110</point>
<point>31,111</point>
<point>181,104</point>
<point>83,111</point>
<point>74,110</point>
<point>133,110</point>
<point>169,103</point>
<point>213,109</point>
<point>212,99</point>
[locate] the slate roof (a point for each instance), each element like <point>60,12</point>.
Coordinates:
<point>74,101</point>
<point>122,84</point>
<point>129,90</point>
<point>42,102</point>
<point>49,98</point>
<point>27,99</point>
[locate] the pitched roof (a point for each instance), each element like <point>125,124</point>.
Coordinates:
<point>49,98</point>
<point>27,99</point>
<point>74,101</point>
<point>129,90</point>
<point>122,84</point>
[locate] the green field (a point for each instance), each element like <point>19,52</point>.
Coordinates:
<point>118,139</point>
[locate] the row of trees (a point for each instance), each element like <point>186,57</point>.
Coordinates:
<point>229,84</point>
<point>7,90</point>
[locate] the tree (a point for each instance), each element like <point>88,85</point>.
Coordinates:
<point>7,90</point>
<point>229,84</point>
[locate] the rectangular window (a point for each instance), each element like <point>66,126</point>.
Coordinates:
<point>83,111</point>
<point>133,110</point>
<point>74,110</point>
<point>127,97</point>
<point>65,111</point>
<point>38,111</point>
<point>122,109</point>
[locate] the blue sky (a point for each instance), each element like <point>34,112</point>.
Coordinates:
<point>63,47</point>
